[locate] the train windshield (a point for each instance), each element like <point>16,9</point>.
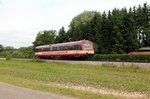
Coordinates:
<point>87,45</point>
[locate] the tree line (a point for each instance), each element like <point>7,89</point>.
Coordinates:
<point>117,31</point>
<point>11,52</point>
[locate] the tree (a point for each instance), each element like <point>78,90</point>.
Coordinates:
<point>9,48</point>
<point>129,32</point>
<point>116,36</point>
<point>78,28</point>
<point>146,23</point>
<point>25,52</point>
<point>105,34</point>
<point>95,27</point>
<point>1,48</point>
<point>45,38</point>
<point>112,32</point>
<point>62,36</point>
<point>94,33</point>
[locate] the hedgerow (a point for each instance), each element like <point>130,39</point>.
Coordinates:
<point>121,57</point>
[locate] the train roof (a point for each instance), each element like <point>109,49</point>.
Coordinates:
<point>74,42</point>
<point>144,49</point>
<point>41,46</point>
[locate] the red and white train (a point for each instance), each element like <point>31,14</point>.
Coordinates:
<point>83,48</point>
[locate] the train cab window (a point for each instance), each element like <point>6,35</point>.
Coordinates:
<point>87,45</point>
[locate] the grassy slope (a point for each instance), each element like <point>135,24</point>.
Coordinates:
<point>25,73</point>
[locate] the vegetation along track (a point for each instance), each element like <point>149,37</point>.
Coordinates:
<point>109,63</point>
<point>119,64</point>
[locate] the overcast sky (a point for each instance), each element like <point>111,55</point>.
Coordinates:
<point>21,20</point>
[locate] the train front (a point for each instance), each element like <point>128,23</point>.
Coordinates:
<point>88,48</point>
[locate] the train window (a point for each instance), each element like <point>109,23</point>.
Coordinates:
<point>87,45</point>
<point>57,49</point>
<point>74,47</point>
<point>54,48</point>
<point>77,47</point>
<point>39,49</point>
<point>50,49</point>
<point>65,47</point>
<point>61,48</point>
<point>70,47</point>
<point>42,49</point>
<point>36,50</point>
<point>45,49</point>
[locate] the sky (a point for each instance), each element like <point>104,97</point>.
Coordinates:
<point>21,20</point>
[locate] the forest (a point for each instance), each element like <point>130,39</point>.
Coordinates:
<point>114,32</point>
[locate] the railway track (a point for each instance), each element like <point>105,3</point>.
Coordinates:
<point>107,63</point>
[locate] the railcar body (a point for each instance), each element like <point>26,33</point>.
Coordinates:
<point>144,50</point>
<point>83,48</point>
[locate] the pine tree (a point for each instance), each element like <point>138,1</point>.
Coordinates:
<point>129,32</point>
<point>61,36</point>
<point>95,32</point>
<point>117,39</point>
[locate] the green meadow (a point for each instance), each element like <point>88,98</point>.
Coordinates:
<point>51,77</point>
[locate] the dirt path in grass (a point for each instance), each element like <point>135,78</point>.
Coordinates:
<point>110,92</point>
<point>12,92</point>
<point>121,94</point>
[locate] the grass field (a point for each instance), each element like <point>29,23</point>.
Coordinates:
<point>49,77</point>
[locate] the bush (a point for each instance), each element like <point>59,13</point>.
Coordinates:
<point>8,57</point>
<point>35,59</point>
<point>121,57</point>
<point>17,54</point>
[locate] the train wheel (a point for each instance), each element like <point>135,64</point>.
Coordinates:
<point>88,56</point>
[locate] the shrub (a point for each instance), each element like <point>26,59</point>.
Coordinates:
<point>121,57</point>
<point>8,57</point>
